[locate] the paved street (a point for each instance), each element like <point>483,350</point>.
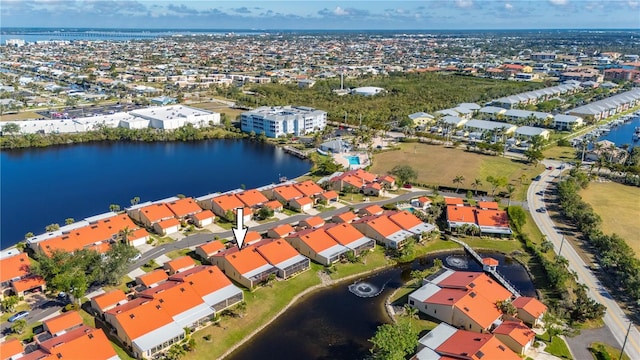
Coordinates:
<point>614,319</point>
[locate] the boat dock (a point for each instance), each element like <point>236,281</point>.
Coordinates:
<point>295,152</point>
<point>496,275</point>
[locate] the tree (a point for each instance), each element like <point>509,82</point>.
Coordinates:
<point>404,173</point>
<point>135,200</point>
<point>517,216</point>
<point>9,303</point>
<point>19,326</point>
<point>510,191</point>
<point>28,235</point>
<point>114,207</point>
<point>475,184</point>
<point>52,227</point>
<point>458,180</point>
<point>394,341</point>
<point>11,128</point>
<point>265,212</point>
<point>123,234</point>
<point>69,221</point>
<point>496,182</point>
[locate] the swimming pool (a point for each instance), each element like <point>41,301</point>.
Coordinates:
<point>353,160</point>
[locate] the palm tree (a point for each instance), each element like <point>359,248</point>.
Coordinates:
<point>124,234</point>
<point>477,182</point>
<point>510,190</point>
<point>458,180</point>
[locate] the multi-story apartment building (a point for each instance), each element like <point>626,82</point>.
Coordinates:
<point>279,121</point>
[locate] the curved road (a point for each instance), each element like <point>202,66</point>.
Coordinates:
<point>614,318</point>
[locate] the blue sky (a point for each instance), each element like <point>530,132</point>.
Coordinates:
<point>300,14</point>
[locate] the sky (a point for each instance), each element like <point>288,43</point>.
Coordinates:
<point>323,15</point>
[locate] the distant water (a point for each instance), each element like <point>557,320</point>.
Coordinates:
<point>44,186</point>
<point>623,134</point>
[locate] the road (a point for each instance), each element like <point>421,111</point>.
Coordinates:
<point>39,314</point>
<point>614,318</point>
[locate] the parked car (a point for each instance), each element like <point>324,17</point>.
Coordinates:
<point>537,178</point>
<point>550,168</point>
<point>136,258</point>
<point>541,210</point>
<point>18,316</point>
<point>407,186</point>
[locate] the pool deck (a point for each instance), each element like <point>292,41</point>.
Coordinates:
<point>342,160</point>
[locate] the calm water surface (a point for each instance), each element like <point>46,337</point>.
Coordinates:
<point>335,324</point>
<point>44,186</point>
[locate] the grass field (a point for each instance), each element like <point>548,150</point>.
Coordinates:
<point>438,165</point>
<point>20,116</point>
<point>619,209</point>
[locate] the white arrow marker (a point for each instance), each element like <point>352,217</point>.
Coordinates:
<point>240,231</point>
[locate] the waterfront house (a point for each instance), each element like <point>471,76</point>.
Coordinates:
<point>283,257</point>
<point>107,301</point>
<point>516,335</point>
<point>466,300</point>
<point>203,218</point>
<point>411,223</point>
<point>383,230</point>
<point>252,198</point>
<point>179,264</point>
<point>460,215</point>
<point>212,285</point>
<point>286,193</point>
<point>309,188</point>
<point>184,208</point>
<point>566,122</point>
<point>13,268</point>
<point>280,231</point>
<point>152,278</point>
<point>206,251</point>
<point>447,342</point>
<point>246,267</point>
<point>317,245</point>
<point>347,235</point>
<point>222,204</point>
<point>530,310</point>
<point>155,213</point>
<point>70,345</point>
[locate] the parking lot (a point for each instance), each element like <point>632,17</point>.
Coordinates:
<point>86,111</point>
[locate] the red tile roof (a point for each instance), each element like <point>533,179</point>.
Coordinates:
<point>174,297</point>
<point>28,283</point>
<point>212,247</point>
<point>205,214</point>
<point>405,219</point>
<point>488,205</point>
<point>180,263</point>
<point>453,201</point>
<point>346,217</point>
<point>140,317</point>
<point>381,224</point>
<point>169,223</point>
<point>344,233</point>
<point>308,188</point>
<point>184,207</point>
<point>474,346</point>
<point>479,309</point>
<point>328,195</point>
<point>496,218</point>
<point>243,261</point>
<point>288,192</point>
<point>464,214</point>
<point>76,344</point>
<point>64,321</point>
<point>10,348</point>
<point>302,201</point>
<point>204,279</point>
<point>273,204</point>
<point>13,267</point>
<point>313,221</point>
<point>372,209</point>
<point>317,239</point>
<point>446,296</point>
<point>283,230</point>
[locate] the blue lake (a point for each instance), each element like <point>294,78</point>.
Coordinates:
<point>623,134</point>
<point>44,186</point>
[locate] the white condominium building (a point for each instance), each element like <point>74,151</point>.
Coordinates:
<point>282,120</point>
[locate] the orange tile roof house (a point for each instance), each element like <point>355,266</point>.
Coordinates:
<point>97,235</point>
<point>353,178</point>
<point>286,193</point>
<point>317,245</point>
<point>183,208</point>
<point>223,203</point>
<point>283,257</point>
<point>463,299</point>
<point>447,342</point>
<point>280,231</point>
<point>422,202</point>
<point>516,335</point>
<point>312,222</point>
<point>345,217</point>
<point>347,235</point>
<point>62,323</point>
<point>410,222</point>
<point>371,210</point>
<point>301,204</point>
<point>206,251</point>
<point>13,268</point>
<point>252,198</point>
<point>179,264</point>
<point>530,310</point>
<point>157,317</point>
<point>460,215</point>
<point>329,196</point>
<point>155,213</point>
<point>29,283</point>
<point>247,267</point>
<point>383,230</point>
<point>108,300</point>
<point>373,189</point>
<point>10,349</point>
<point>274,205</point>
<point>166,227</point>
<point>152,278</point>
<point>203,218</point>
<point>309,188</point>
<point>453,201</point>
<point>75,344</point>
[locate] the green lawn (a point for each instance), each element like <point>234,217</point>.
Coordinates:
<point>372,260</point>
<point>602,351</point>
<point>20,307</point>
<point>559,348</point>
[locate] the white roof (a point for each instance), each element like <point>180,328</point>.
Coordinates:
<point>422,228</point>
<point>158,336</point>
<point>363,240</point>
<point>286,263</point>
<point>437,336</point>
<point>257,271</point>
<point>222,294</point>
<point>427,354</point>
<point>333,251</point>
<point>190,316</point>
<point>170,112</point>
<point>424,292</point>
<point>399,236</point>
<point>530,131</point>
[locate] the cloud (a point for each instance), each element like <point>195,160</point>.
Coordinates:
<point>182,9</point>
<point>633,4</point>
<point>508,6</point>
<point>343,12</point>
<point>338,11</point>
<point>559,2</point>
<point>242,10</point>
<point>464,3</point>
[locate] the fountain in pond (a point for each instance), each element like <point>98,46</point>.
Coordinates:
<point>457,261</point>
<point>365,290</point>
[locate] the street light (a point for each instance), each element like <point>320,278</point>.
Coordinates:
<point>561,243</point>
<point>625,341</point>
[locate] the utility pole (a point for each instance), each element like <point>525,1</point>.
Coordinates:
<point>625,341</point>
<point>561,243</point>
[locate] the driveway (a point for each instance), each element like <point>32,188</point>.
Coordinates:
<point>579,344</point>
